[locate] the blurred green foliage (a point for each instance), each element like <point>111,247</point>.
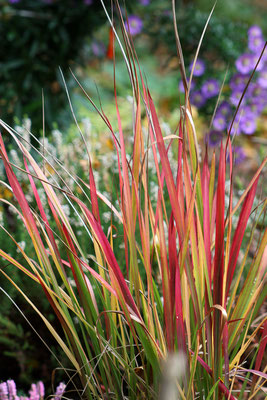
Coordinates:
<point>224,41</point>
<point>38,37</point>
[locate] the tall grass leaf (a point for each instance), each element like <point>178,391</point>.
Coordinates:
<point>239,234</point>
<point>261,352</point>
<point>166,288</point>
<point>218,267</point>
<point>251,290</point>
<point>95,209</point>
<point>181,334</point>
<point>243,196</point>
<point>110,257</point>
<point>206,212</point>
<point>222,388</point>
<point>84,292</point>
<point>165,164</point>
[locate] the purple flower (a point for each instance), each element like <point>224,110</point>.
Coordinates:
<point>254,31</point>
<point>235,97</point>
<point>219,122</point>
<point>214,138</point>
<point>261,101</point>
<point>255,43</point>
<point>262,79</point>
<point>197,99</point>
<point>239,155</point>
<point>181,86</point>
<point>224,108</point>
<point>248,124</point>
<point>256,108</point>
<point>14,1</point>
<point>255,91</point>
<point>245,63</point>
<point>98,48</point>
<point>238,81</point>
<point>210,88</point>
<point>144,2</point>
<point>250,110</point>
<point>134,25</point>
<point>199,68</point>
<point>167,13</point>
<point>261,64</point>
<point>60,390</point>
<point>236,127</point>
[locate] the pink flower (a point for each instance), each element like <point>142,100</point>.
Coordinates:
<point>11,389</point>
<point>3,391</point>
<point>33,392</point>
<point>41,388</point>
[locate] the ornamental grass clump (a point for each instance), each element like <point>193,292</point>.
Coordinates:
<point>188,292</point>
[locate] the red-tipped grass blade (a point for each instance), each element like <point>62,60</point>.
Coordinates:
<point>239,234</point>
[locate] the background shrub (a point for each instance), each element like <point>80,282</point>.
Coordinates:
<point>38,37</point>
